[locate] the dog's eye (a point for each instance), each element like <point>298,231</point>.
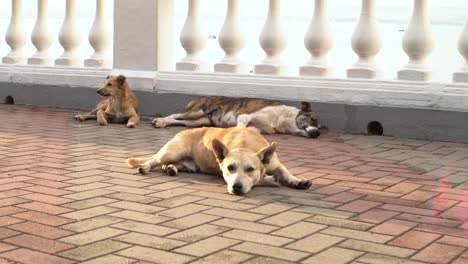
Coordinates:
<point>249,169</point>
<point>231,168</point>
<point>109,84</point>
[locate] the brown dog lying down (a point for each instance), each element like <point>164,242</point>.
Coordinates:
<point>121,106</point>
<point>265,115</point>
<point>241,155</point>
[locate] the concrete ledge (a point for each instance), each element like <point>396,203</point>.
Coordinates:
<point>430,124</point>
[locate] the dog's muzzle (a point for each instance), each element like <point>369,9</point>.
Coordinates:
<point>101,93</point>
<point>312,132</point>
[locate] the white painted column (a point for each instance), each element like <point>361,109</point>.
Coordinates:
<point>70,38</point>
<point>231,40</point>
<point>192,40</point>
<point>273,41</point>
<point>418,44</point>
<point>143,43</point>
<point>366,43</point>
<point>318,42</point>
<point>100,38</point>
<point>41,36</point>
<point>462,74</point>
<point>15,35</point>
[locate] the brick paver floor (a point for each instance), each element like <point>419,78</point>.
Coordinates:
<point>66,196</point>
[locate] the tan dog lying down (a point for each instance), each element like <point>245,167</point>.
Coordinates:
<point>265,115</point>
<point>121,106</point>
<point>242,156</point>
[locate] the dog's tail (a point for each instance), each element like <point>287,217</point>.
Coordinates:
<point>135,162</point>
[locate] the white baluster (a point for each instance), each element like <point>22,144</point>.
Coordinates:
<point>41,36</point>
<point>418,44</point>
<point>70,38</point>
<point>231,41</point>
<point>15,35</point>
<point>318,42</point>
<point>192,40</point>
<point>462,75</point>
<point>273,41</point>
<point>100,38</point>
<point>366,43</point>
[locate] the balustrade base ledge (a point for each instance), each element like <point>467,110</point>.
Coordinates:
<point>353,91</point>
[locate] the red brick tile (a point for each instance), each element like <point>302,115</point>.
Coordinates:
<point>343,197</point>
<point>42,218</point>
<point>388,180</point>
<point>9,210</point>
<point>4,233</point>
<point>7,220</point>
<point>367,186</point>
<point>358,206</point>
<point>403,188</point>
<point>407,209</point>
<point>38,243</point>
<point>438,253</point>
<point>27,256</point>
<point>419,196</point>
<point>456,241</point>
<point>14,185</point>
<point>375,216</point>
<point>5,247</point>
<point>47,190</point>
<point>414,240</point>
<point>49,199</point>
<point>12,201</point>
<point>393,227</point>
<point>329,190</point>
<point>40,230</point>
<point>457,232</point>
<point>50,183</point>
<point>46,208</point>
<point>14,179</point>
<point>50,177</point>
<point>12,193</point>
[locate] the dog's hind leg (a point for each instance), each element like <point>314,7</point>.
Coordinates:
<point>185,165</point>
<point>285,178</point>
<point>163,122</point>
<point>167,121</point>
<point>172,153</point>
<point>89,115</point>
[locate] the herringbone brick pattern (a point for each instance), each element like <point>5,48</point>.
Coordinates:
<point>67,197</point>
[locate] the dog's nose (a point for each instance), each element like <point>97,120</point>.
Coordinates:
<point>313,132</point>
<point>98,92</point>
<point>237,188</point>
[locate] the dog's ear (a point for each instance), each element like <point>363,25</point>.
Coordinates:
<point>121,79</point>
<point>306,107</point>
<point>265,154</point>
<point>219,149</point>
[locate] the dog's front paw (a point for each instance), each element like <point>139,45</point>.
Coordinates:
<point>78,118</point>
<point>143,170</point>
<point>131,125</point>
<point>159,122</point>
<point>102,123</point>
<point>304,184</point>
<point>171,170</point>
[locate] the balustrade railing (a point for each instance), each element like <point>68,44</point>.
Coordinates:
<point>70,37</point>
<point>366,41</point>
